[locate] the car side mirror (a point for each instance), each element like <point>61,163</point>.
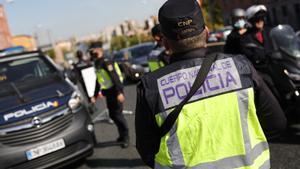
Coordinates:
<point>70,75</point>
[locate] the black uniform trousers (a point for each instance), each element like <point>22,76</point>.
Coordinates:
<point>116,111</point>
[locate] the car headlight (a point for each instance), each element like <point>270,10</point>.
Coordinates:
<point>292,76</point>
<point>75,101</point>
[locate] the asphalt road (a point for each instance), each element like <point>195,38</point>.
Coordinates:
<point>108,155</point>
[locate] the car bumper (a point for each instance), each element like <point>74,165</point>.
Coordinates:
<point>78,144</point>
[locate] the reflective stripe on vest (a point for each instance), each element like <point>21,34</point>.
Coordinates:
<point>118,70</point>
<point>104,79</point>
<point>155,64</point>
<point>227,135</point>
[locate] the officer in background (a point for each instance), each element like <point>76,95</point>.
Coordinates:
<point>158,57</point>
<point>233,41</point>
<point>110,81</point>
<point>225,123</point>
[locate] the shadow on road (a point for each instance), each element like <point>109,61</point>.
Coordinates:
<point>119,163</point>
<point>130,82</point>
<point>289,137</point>
<point>107,144</point>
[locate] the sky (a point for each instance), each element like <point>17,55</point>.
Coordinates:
<point>66,18</point>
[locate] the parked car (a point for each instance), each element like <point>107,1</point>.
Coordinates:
<point>43,122</point>
<point>133,61</point>
<point>220,35</point>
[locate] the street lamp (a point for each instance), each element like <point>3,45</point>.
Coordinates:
<point>46,32</point>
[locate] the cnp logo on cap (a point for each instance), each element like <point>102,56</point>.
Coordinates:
<point>181,19</point>
<point>184,23</point>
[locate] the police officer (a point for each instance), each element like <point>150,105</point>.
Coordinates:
<point>158,57</point>
<point>110,80</point>
<point>233,41</point>
<point>224,124</point>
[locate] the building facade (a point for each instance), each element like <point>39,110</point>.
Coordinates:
<point>5,36</point>
<point>279,11</point>
<point>28,42</point>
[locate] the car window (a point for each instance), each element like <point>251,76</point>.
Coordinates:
<point>141,51</point>
<point>22,70</point>
<point>119,55</point>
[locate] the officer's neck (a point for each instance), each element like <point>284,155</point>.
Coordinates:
<point>191,54</point>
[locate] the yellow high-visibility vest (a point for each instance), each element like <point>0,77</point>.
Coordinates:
<point>104,79</point>
<point>155,64</point>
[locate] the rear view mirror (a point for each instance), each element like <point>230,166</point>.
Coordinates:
<point>70,75</point>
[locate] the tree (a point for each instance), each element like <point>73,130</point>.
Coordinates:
<point>120,42</point>
<point>50,53</point>
<point>212,14</point>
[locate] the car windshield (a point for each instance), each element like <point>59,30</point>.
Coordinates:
<point>141,51</point>
<point>24,70</point>
<point>285,38</point>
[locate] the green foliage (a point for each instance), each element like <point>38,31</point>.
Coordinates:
<point>120,42</point>
<point>50,53</point>
<point>146,38</point>
<point>212,14</point>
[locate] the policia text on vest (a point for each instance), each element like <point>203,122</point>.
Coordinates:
<point>174,87</point>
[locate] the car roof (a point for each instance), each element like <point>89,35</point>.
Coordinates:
<point>19,55</point>
<point>136,46</point>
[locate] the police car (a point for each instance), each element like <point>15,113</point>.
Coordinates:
<point>43,122</point>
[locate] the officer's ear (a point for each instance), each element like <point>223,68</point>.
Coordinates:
<point>207,32</point>
<point>166,44</point>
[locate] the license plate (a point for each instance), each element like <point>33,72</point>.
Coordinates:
<point>45,149</point>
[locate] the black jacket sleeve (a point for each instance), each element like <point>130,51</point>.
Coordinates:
<point>233,43</point>
<point>97,89</point>
<point>269,112</point>
<point>254,52</point>
<point>147,138</point>
<point>114,77</point>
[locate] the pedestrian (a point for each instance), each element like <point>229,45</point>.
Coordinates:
<point>233,41</point>
<point>226,122</point>
<point>158,57</point>
<point>256,44</point>
<point>109,82</point>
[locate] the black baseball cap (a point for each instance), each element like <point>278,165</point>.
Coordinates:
<point>181,19</point>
